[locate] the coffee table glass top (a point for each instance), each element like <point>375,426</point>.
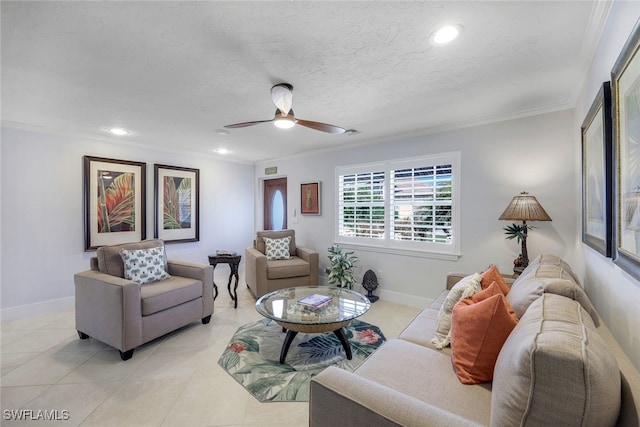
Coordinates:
<point>284,306</point>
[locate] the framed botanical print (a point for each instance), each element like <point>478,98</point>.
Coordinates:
<point>310,198</point>
<point>177,203</point>
<point>625,88</point>
<point>114,202</point>
<point>597,180</point>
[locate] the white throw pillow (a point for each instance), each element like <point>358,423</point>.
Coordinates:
<point>466,287</point>
<point>277,248</point>
<point>144,265</point>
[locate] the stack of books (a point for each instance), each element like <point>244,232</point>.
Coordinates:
<point>315,300</point>
<point>222,252</point>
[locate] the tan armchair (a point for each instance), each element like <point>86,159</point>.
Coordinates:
<point>263,276</point>
<point>125,314</point>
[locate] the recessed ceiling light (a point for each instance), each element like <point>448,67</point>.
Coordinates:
<point>444,35</point>
<point>222,151</point>
<point>119,131</point>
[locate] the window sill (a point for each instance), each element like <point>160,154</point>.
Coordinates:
<point>405,252</point>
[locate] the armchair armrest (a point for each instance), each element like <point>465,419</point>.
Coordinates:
<point>340,397</point>
<point>108,308</point>
<point>201,272</point>
<point>312,257</point>
<point>255,268</point>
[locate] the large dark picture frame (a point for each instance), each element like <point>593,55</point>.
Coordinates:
<point>114,202</point>
<point>597,174</point>
<point>625,88</point>
<point>176,203</point>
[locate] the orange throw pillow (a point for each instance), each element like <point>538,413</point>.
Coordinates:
<point>478,330</point>
<point>493,275</point>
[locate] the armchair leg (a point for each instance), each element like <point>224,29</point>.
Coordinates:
<point>82,335</point>
<point>206,320</point>
<point>126,355</point>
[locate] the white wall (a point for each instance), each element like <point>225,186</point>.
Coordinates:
<point>615,294</point>
<point>499,161</point>
<point>42,212</point>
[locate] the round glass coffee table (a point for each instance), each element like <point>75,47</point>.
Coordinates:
<point>285,308</point>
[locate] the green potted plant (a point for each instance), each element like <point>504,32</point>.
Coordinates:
<point>519,232</point>
<point>340,273</point>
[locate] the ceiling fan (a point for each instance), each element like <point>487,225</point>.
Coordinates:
<point>282,98</point>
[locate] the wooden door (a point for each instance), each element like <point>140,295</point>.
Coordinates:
<point>275,204</point>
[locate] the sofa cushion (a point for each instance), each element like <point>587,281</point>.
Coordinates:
<point>424,326</point>
<point>277,248</point>
<point>110,261</point>
<point>464,288</point>
<point>555,369</point>
<point>479,327</point>
<point>492,274</point>
<point>260,245</point>
<point>168,293</point>
<point>426,375</point>
<point>524,292</point>
<point>282,269</point>
<point>144,265</point>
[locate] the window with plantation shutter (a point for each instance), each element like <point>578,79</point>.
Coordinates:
<point>401,205</point>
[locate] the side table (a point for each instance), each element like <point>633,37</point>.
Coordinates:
<point>234,262</point>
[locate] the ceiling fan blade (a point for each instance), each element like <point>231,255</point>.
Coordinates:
<point>320,126</point>
<point>246,124</point>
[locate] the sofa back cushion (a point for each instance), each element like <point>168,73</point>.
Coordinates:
<point>555,369</point>
<point>541,280</point>
<point>552,260</point>
<point>260,244</point>
<point>110,260</point>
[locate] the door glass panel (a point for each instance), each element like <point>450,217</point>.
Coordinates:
<point>277,211</point>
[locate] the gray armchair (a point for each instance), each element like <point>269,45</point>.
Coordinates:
<point>263,276</point>
<point>125,314</point>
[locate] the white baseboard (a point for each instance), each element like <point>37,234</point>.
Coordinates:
<point>391,296</point>
<point>404,299</point>
<point>27,310</point>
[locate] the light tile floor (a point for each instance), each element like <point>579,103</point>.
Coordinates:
<point>172,381</point>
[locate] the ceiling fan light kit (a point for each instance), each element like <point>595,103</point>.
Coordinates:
<point>445,35</point>
<point>284,118</point>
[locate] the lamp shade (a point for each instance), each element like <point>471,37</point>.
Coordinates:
<point>524,207</point>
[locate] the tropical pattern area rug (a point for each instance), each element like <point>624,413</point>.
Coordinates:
<point>252,358</point>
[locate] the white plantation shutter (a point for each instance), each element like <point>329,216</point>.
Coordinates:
<point>361,204</point>
<point>401,205</point>
<point>421,203</point>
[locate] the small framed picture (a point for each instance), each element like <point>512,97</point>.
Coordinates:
<point>310,198</point>
<point>114,202</point>
<point>177,204</point>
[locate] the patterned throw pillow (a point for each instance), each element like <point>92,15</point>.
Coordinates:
<point>277,248</point>
<point>144,265</point>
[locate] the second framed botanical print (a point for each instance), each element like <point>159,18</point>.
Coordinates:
<point>177,203</point>
<point>597,183</point>
<point>625,85</point>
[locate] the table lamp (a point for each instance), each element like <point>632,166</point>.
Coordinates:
<point>523,207</point>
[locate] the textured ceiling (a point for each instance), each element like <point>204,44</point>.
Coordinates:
<point>175,72</point>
